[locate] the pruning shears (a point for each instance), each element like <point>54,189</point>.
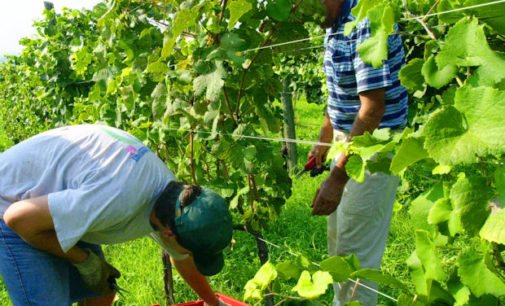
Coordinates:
<point>114,286</point>
<point>311,166</point>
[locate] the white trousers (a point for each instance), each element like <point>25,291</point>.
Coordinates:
<point>360,226</point>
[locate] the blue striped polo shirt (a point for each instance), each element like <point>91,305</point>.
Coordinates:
<point>347,75</point>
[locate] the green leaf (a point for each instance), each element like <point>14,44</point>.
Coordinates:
<point>409,300</point>
<point>494,228</point>
<point>374,50</point>
<point>278,9</point>
<point>472,128</point>
<point>338,267</point>
<point>410,151</point>
<point>425,249</point>
<point>460,292</point>
<point>410,75</point>
<point>476,276</point>
<point>380,278</point>
<point>159,102</point>
<point>355,168</point>
<point>435,76</point>
<point>80,60</point>
<point>466,45</point>
<point>265,275</point>
<point>185,18</point>
<point>417,274</point>
<point>353,261</point>
<point>441,169</point>
<point>471,197</point>
<point>421,206</point>
<point>499,182</point>
<point>440,212</point>
<point>360,11</point>
<point>237,9</point>
<point>288,270</point>
<point>312,288</point>
<point>212,83</point>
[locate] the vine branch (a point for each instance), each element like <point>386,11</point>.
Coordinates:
<point>192,160</point>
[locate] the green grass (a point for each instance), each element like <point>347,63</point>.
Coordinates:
<point>296,230</point>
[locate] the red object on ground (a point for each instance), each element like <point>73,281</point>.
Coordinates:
<point>224,298</point>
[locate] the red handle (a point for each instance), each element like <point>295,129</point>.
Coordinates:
<point>310,164</point>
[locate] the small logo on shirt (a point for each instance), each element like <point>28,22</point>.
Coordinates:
<point>135,153</point>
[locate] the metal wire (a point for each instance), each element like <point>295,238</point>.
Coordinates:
<point>290,140</point>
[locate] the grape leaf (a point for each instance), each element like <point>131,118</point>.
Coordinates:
<point>288,270</point>
<point>420,207</point>
<point>211,83</point>
<point>410,75</point>
<point>374,50</point>
<point>460,292</point>
<point>410,151</point>
<point>380,278</point>
<point>466,45</point>
<point>338,267</point>
<point>184,19</point>
<point>426,253</point>
<point>278,9</point>
<point>237,9</point>
<point>435,76</point>
<point>499,182</point>
<point>355,168</point>
<point>417,274</point>
<point>440,212</point>
<point>473,127</point>
<point>476,276</point>
<point>494,228</point>
<point>360,11</point>
<point>470,197</point>
<point>313,288</point>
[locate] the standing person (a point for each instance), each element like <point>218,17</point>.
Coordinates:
<point>68,190</point>
<point>360,100</point>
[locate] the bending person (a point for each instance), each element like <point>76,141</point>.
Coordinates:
<point>66,191</point>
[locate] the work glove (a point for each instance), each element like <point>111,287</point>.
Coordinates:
<point>97,274</point>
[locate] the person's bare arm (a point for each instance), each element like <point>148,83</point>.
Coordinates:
<point>31,220</point>
<point>368,119</point>
<point>325,135</point>
<point>195,279</point>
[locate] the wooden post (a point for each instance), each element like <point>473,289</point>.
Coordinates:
<point>289,123</point>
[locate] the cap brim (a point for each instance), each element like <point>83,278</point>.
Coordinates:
<point>209,265</point>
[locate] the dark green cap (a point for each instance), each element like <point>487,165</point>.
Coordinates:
<point>205,228</point>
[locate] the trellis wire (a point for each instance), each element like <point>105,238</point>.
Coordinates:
<point>290,140</point>
<point>457,10</point>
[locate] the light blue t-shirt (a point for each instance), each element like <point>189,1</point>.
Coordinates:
<point>101,182</point>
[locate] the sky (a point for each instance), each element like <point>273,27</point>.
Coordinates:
<point>17,16</point>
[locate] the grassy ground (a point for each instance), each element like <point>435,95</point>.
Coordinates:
<point>296,230</point>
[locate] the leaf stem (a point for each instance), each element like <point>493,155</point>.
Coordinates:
<point>228,106</point>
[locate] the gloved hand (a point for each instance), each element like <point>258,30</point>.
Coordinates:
<point>97,274</point>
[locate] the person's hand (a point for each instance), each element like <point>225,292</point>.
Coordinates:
<point>319,152</point>
<point>97,274</point>
<point>329,194</point>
